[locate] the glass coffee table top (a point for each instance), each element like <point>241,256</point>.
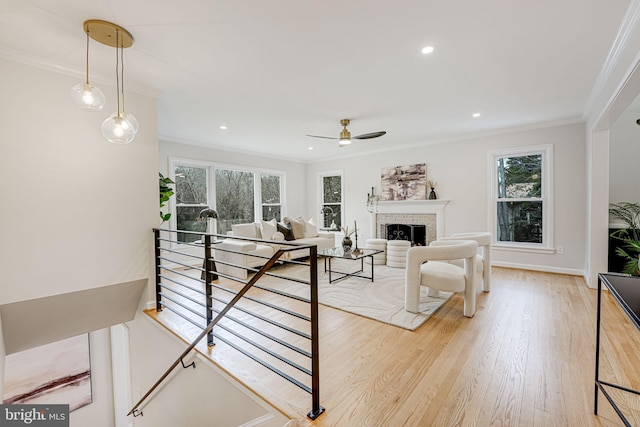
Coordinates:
<point>338,252</point>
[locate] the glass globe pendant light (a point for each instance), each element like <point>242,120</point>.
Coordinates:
<point>128,116</point>
<point>132,119</point>
<point>118,129</point>
<point>121,127</point>
<point>86,96</point>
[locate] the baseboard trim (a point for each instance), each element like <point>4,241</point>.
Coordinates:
<point>542,268</point>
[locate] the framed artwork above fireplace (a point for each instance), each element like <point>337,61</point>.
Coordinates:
<point>408,182</point>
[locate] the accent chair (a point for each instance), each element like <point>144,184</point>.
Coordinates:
<point>429,266</point>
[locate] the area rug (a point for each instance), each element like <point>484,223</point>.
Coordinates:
<point>381,300</point>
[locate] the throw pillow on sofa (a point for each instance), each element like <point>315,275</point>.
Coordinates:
<point>286,231</point>
<point>268,229</point>
<point>245,230</point>
<point>297,225</point>
<point>310,229</point>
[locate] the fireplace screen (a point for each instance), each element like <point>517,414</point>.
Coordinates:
<point>416,234</point>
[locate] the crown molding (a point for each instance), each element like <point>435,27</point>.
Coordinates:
<point>214,146</point>
<point>22,58</point>
<point>625,32</point>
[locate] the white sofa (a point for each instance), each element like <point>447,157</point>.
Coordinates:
<point>243,252</point>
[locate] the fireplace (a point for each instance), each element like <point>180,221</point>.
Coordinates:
<point>427,215</point>
<point>419,229</point>
<point>415,233</point>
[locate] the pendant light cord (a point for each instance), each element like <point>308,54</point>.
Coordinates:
<point>122,75</point>
<point>118,72</point>
<point>86,69</point>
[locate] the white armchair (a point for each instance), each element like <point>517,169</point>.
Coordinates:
<point>427,266</point>
<point>483,262</point>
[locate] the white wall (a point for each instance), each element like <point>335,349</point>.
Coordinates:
<point>460,168</point>
<point>624,152</point>
<point>101,384</point>
<point>78,210</point>
<point>188,397</point>
<point>295,197</point>
<point>3,358</point>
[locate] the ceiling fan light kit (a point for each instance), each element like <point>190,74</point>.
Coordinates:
<point>121,127</point>
<point>345,136</point>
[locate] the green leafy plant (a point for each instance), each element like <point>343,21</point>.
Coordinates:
<point>165,193</point>
<point>629,213</point>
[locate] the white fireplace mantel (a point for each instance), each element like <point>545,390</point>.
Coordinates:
<point>436,207</point>
<point>412,206</point>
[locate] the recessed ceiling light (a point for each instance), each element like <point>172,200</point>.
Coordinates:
<point>427,49</point>
<point>476,115</point>
<point>223,127</point>
<point>310,148</point>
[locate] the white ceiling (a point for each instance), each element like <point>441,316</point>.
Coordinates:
<point>273,71</point>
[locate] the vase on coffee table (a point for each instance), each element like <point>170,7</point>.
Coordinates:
<point>346,244</point>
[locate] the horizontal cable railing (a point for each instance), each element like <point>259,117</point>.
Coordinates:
<point>257,316</point>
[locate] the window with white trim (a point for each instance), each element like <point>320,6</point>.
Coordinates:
<point>331,199</point>
<point>235,197</point>
<point>271,189</point>
<point>192,196</point>
<point>521,204</point>
<point>246,196</point>
<point>238,195</point>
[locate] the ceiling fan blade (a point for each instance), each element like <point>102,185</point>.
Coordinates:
<point>318,136</point>
<point>369,135</point>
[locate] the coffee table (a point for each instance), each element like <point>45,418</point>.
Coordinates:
<point>339,253</point>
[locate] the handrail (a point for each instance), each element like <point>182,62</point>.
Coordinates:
<point>209,327</point>
<point>209,274</point>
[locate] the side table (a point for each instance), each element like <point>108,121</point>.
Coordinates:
<point>397,253</point>
<point>378,244</point>
<point>626,291</point>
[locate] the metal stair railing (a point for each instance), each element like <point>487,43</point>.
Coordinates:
<point>176,301</point>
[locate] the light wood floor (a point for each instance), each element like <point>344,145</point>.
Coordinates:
<point>525,359</point>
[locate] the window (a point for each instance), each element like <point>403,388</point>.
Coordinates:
<point>235,198</point>
<point>331,191</point>
<point>521,197</point>
<point>270,189</point>
<point>191,198</point>
<point>238,195</point>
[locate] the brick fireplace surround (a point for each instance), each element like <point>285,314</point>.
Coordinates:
<point>430,213</point>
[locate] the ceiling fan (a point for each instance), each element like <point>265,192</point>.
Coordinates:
<point>345,136</point>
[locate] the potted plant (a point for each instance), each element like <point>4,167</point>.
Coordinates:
<point>165,193</point>
<point>629,213</point>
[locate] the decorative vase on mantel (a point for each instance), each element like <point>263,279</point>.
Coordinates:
<point>346,244</point>
<point>432,194</point>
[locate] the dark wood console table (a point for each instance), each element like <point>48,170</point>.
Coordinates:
<point>626,291</point>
